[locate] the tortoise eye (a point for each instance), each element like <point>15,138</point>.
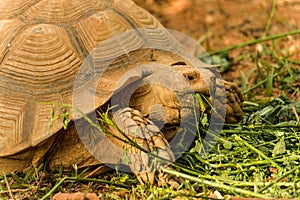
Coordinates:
<point>190,77</point>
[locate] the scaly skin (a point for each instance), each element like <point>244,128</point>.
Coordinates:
<point>147,136</point>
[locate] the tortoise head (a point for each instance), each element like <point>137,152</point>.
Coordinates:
<point>166,94</point>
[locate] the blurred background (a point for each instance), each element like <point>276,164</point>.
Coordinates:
<point>217,24</point>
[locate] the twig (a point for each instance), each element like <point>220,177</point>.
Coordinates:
<point>296,115</point>
<point>7,185</point>
<point>16,191</point>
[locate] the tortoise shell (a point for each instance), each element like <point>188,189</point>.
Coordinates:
<point>45,43</point>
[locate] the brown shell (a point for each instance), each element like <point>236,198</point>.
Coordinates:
<point>43,45</point>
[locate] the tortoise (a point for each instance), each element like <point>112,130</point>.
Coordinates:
<point>59,53</point>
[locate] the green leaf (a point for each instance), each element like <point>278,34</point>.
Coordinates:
<point>279,148</point>
<point>227,145</point>
<point>198,147</point>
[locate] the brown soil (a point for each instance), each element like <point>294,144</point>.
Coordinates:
<point>228,22</point>
<point>225,22</point>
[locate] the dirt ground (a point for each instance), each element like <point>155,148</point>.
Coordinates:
<point>226,22</point>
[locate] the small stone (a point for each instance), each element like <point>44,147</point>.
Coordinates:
<point>75,196</point>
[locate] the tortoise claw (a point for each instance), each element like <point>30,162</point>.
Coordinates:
<point>153,149</point>
<point>145,177</point>
<point>234,99</point>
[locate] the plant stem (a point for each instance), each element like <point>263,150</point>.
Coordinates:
<point>46,196</point>
<point>258,152</point>
<point>278,179</point>
<point>248,164</point>
<point>256,41</point>
<point>270,18</point>
<point>251,130</point>
<point>247,183</point>
<point>214,184</point>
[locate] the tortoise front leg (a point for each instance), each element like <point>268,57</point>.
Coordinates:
<point>234,100</point>
<point>142,140</point>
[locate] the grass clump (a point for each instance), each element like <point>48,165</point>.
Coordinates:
<point>259,158</point>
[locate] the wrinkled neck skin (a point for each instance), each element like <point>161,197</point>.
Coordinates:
<point>158,104</point>
<point>151,100</point>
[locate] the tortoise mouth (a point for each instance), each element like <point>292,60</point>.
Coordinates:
<point>170,130</point>
<point>186,116</point>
